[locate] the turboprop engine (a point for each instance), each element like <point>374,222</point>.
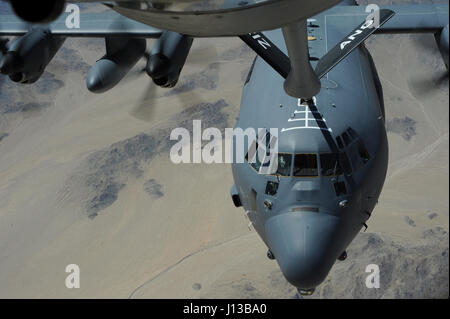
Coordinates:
<point>26,58</point>
<point>121,55</point>
<point>164,62</point>
<point>167,58</point>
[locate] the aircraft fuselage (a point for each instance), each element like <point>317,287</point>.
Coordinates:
<point>333,157</point>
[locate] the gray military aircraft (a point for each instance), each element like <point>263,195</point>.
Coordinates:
<point>313,80</point>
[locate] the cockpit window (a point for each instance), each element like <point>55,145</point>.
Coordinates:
<point>340,189</point>
<point>256,164</point>
<point>284,164</point>
<point>354,158</point>
<point>343,160</point>
<point>339,142</point>
<point>346,138</point>
<point>305,165</point>
<point>352,133</point>
<point>363,153</point>
<point>358,155</point>
<point>255,161</point>
<point>330,164</point>
<point>271,188</point>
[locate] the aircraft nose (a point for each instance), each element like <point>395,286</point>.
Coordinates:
<point>304,246</point>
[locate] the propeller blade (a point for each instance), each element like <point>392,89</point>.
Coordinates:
<point>202,55</point>
<point>429,85</point>
<point>426,43</point>
<point>144,109</point>
<point>135,73</point>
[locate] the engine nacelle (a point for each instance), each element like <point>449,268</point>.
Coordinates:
<point>27,56</point>
<point>42,11</point>
<point>167,58</point>
<point>121,55</point>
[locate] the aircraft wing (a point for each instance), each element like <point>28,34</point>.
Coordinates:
<point>414,18</point>
<point>103,24</point>
<point>392,19</point>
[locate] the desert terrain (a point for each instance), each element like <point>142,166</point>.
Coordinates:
<point>86,179</point>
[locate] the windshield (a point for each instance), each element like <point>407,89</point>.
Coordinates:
<point>305,165</point>
<point>330,164</point>
<point>284,164</point>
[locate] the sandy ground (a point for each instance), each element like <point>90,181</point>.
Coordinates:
<point>86,179</point>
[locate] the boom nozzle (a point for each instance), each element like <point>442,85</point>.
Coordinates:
<point>302,80</point>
